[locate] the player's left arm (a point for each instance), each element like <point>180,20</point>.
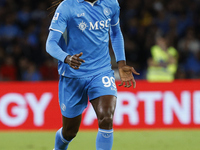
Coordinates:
<point>126,72</point>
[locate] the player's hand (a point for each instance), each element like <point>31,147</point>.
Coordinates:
<point>126,75</point>
<point>74,61</point>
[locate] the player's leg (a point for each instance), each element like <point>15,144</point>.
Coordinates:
<point>104,107</point>
<point>73,100</point>
<point>70,127</point>
<point>65,134</point>
<point>102,94</point>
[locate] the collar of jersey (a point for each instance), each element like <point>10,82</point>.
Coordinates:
<point>80,1</point>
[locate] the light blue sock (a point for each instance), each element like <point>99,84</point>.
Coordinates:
<point>104,139</point>
<point>60,142</point>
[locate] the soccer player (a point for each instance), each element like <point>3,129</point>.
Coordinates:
<point>79,39</point>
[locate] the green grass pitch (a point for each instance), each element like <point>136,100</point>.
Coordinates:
<point>123,140</point>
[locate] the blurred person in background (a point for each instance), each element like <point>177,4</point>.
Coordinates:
<point>8,70</point>
<point>192,65</point>
<point>9,30</point>
<point>32,73</point>
<point>162,64</point>
<point>189,49</point>
<point>189,43</point>
<point>49,70</point>
<point>22,67</point>
<point>24,16</point>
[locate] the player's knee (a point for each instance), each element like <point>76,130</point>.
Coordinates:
<point>106,122</point>
<point>105,118</point>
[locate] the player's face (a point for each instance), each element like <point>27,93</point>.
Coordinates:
<point>162,42</point>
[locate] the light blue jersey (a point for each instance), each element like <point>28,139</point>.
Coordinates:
<point>85,28</point>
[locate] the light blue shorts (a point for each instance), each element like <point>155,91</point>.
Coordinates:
<point>74,92</point>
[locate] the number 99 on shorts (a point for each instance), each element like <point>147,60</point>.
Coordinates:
<point>108,81</point>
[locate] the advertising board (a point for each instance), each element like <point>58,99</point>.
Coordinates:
<point>34,105</point>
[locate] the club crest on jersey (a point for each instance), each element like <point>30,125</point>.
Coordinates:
<point>107,11</point>
<point>82,26</point>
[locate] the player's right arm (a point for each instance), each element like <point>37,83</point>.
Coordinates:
<point>57,28</point>
<point>53,48</point>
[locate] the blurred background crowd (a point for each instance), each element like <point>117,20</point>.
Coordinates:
<point>161,39</point>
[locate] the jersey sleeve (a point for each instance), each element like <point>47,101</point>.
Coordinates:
<point>117,42</point>
<point>115,17</point>
<point>59,21</point>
